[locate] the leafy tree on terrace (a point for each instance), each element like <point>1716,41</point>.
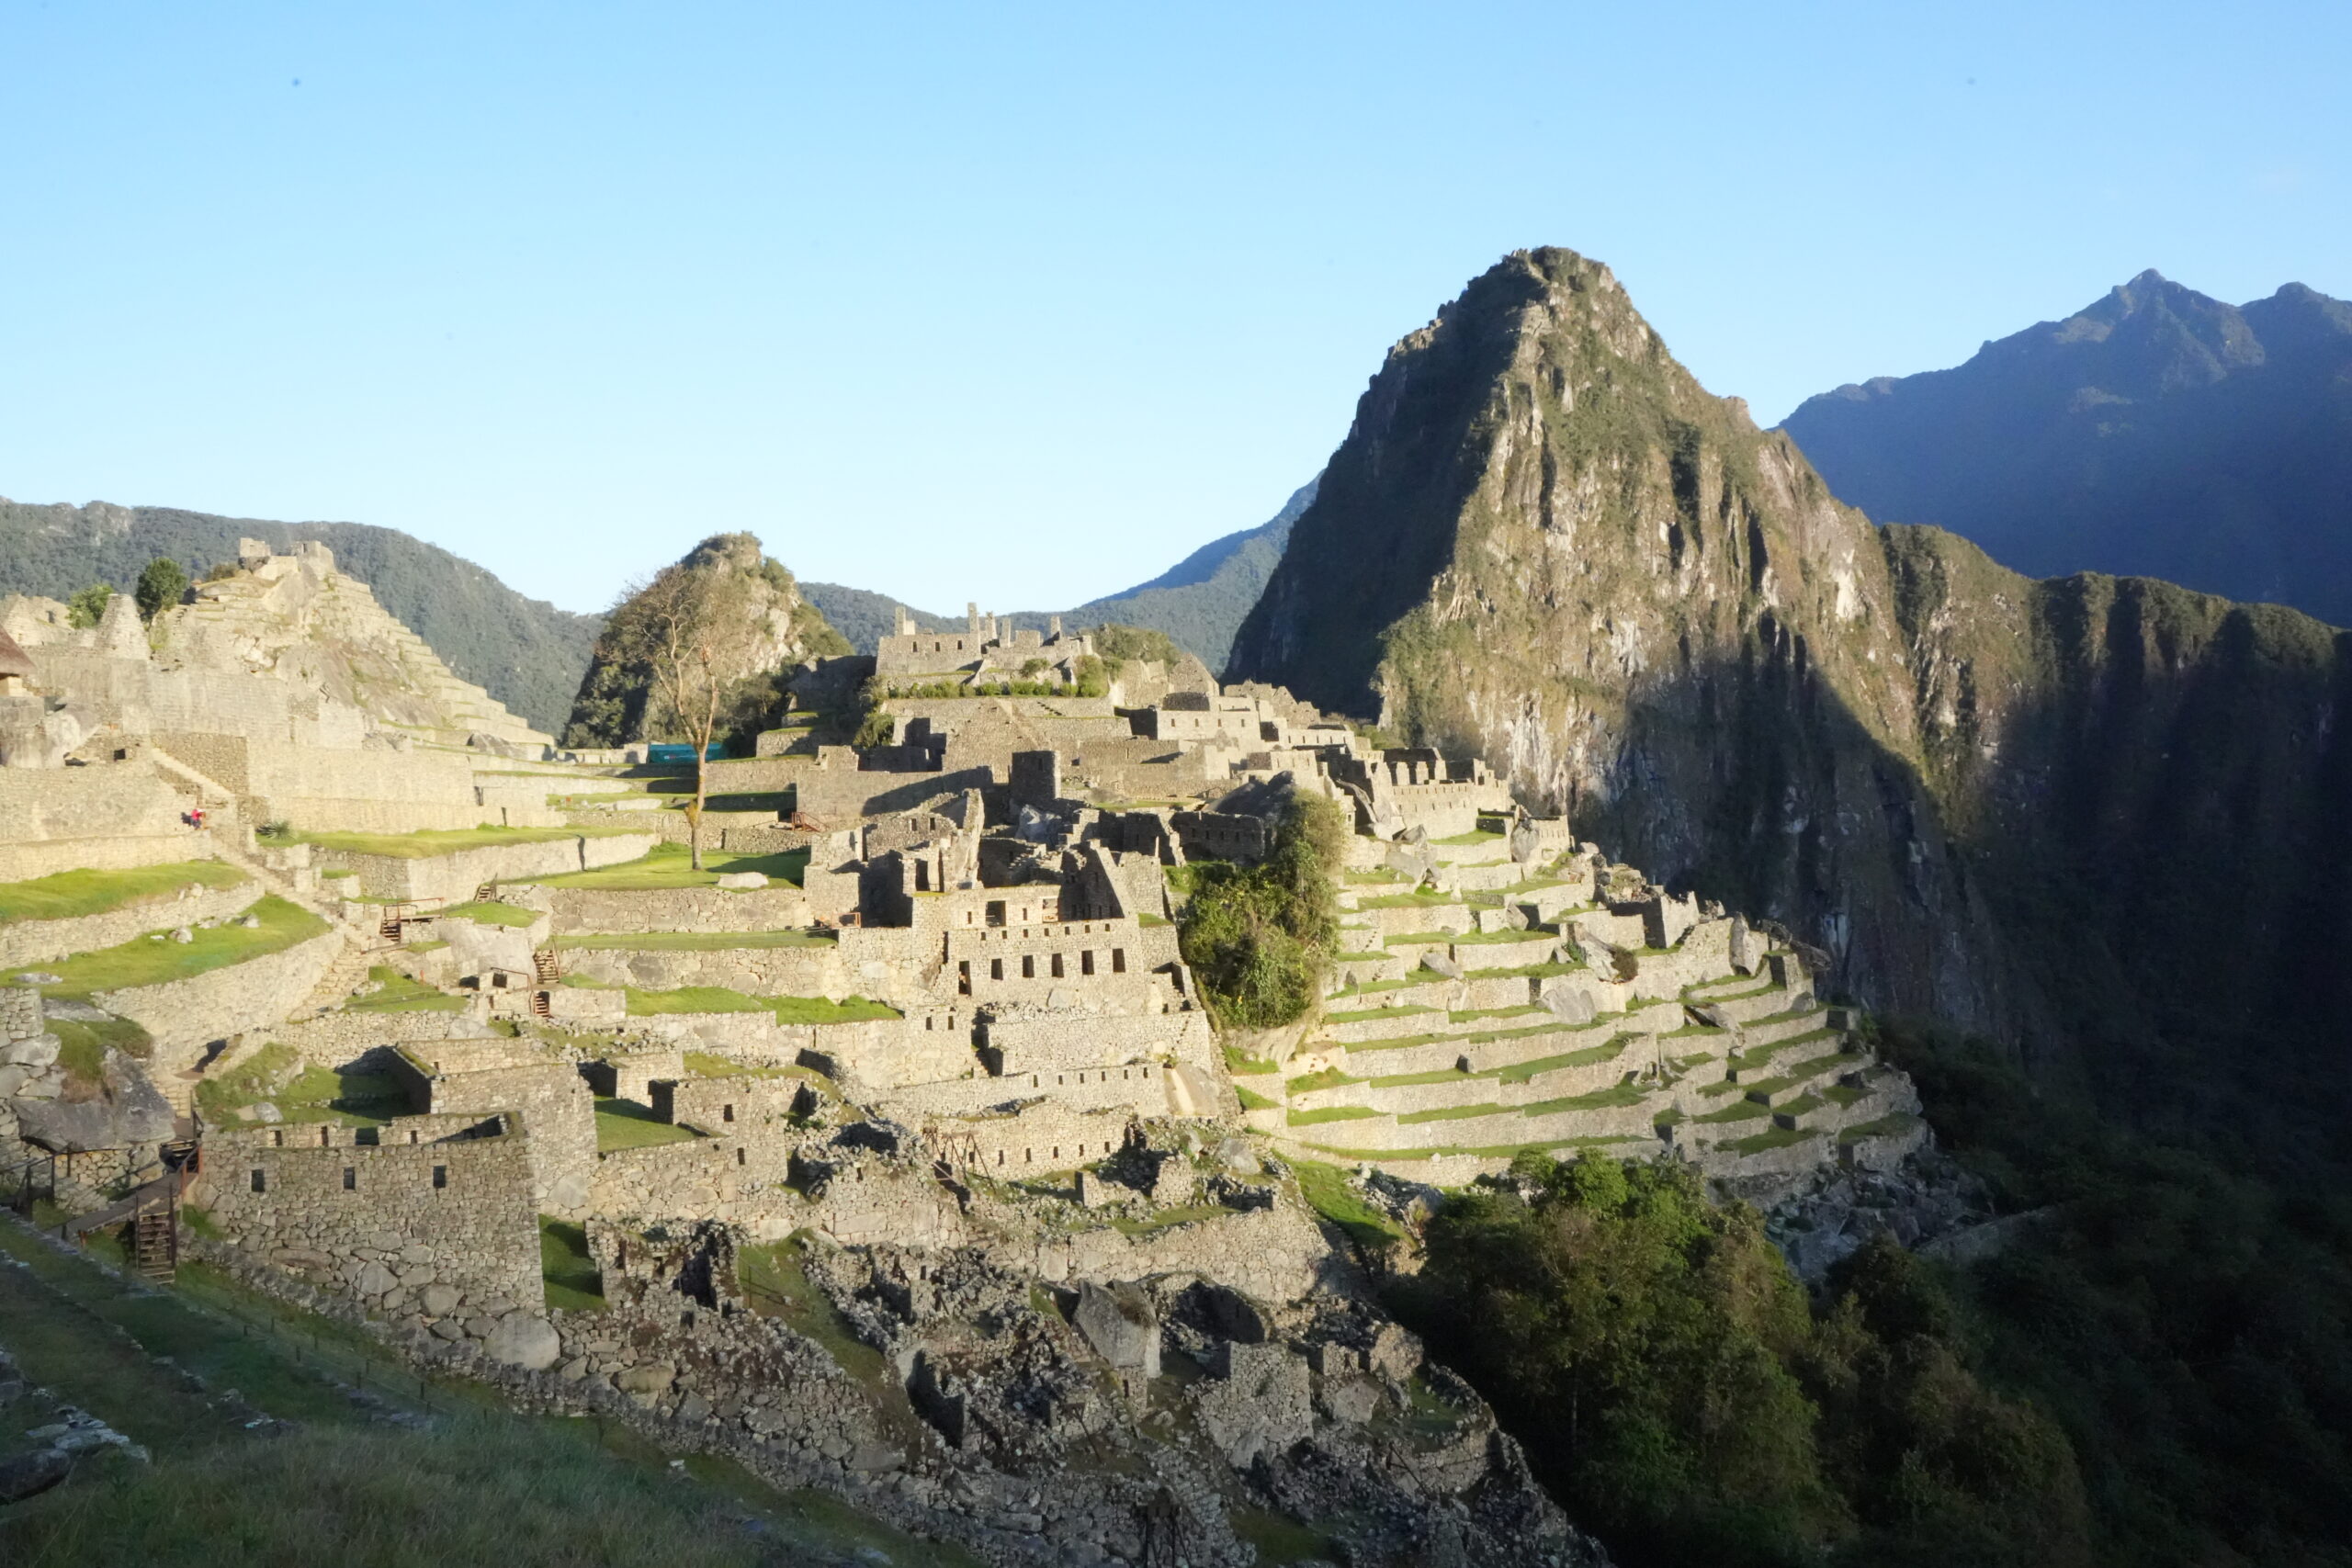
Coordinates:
<point>83,610</point>
<point>163,584</point>
<point>1259,937</point>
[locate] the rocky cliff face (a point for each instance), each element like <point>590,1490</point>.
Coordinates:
<point>2010,802</point>
<point>749,611</point>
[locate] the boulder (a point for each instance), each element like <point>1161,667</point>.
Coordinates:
<point>742,880</point>
<point>526,1340</point>
<point>27,1474</point>
<point>40,1051</point>
<point>440,1301</point>
<point>645,1380</point>
<point>374,1279</point>
<point>1262,1404</point>
<point>1570,1004</point>
<point>1118,1322</point>
<point>128,1109</point>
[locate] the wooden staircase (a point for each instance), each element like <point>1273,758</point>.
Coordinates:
<point>155,1242</point>
<point>549,965</point>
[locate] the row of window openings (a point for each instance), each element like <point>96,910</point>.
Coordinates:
<point>1029,1156</point>
<point>351,1178</point>
<point>366,1137</point>
<point>1037,1080</point>
<point>1029,967</point>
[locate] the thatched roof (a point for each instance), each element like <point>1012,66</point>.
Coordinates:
<point>14,660</point>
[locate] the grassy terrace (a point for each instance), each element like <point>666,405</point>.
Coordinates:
<point>301,1093</point>
<point>1485,1151</point>
<point>1328,1193</point>
<point>1756,1055</point>
<point>625,1124</point>
<point>1471,938</point>
<point>151,960</point>
<point>69,894</point>
<point>670,865</point>
<point>449,840</point>
<point>398,993</point>
<point>690,942</point>
<point>1359,1016</point>
<point>1885,1126</point>
<point>1331,1113</point>
<point>1407,901</point>
<point>491,913</point>
<point>721,998</point>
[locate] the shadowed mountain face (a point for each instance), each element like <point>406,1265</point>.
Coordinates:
<point>2158,432</point>
<point>524,652</point>
<point>2003,801</point>
<point>1199,601</point>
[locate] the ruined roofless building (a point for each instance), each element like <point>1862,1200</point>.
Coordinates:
<point>987,645</point>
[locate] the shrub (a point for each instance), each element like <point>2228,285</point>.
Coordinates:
<point>1259,938</point>
<point>83,610</point>
<point>163,584</point>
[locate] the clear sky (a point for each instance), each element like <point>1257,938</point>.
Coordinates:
<point>1022,302</point>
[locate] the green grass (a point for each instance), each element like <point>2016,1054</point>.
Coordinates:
<point>1450,1113</point>
<point>1901,1121</point>
<point>670,865</point>
<point>1279,1540</point>
<point>82,1047</point>
<point>1331,1113</point>
<point>822,1009</point>
<point>1739,1110</point>
<point>1365,1014</point>
<point>433,842</point>
<point>1166,1219</point>
<point>146,962</point>
<point>1488,1151</point>
<point>573,1282</point>
<point>1407,901</point>
<point>1526,971</point>
<point>1441,1074</point>
<point>625,1124</point>
<point>69,894</point>
<point>1252,1101</point>
<point>303,1093</point>
<point>1778,1138</point>
<point>1328,1193</point>
<point>1330,1077</point>
<point>690,942</point>
<point>492,913</point>
<point>480,1485</point>
<point>690,998</point>
<point>1598,1100</point>
<point>1522,1072</point>
<point>1475,836</point>
<point>774,1278</point>
<point>1248,1067</point>
<point>401,994</point>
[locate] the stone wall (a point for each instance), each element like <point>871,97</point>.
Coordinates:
<point>622,910</point>
<point>107,816</point>
<point>1045,1040</point>
<point>518,1079</point>
<point>454,876</point>
<point>184,1016</point>
<point>32,941</point>
<point>812,971</point>
<point>386,1225</point>
<point>1141,1088</point>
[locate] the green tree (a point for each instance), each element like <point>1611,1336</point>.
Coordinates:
<point>1259,938</point>
<point>163,584</point>
<point>88,605</point>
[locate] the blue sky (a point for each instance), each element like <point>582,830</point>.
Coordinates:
<point>1022,302</point>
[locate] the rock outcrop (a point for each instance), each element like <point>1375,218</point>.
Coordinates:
<point>753,618</point>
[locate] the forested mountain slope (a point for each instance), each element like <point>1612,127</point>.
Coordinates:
<point>525,652</point>
<point>2157,431</point>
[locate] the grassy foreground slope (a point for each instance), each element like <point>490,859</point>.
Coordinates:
<point>260,1453</point>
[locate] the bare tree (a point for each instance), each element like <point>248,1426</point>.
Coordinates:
<point>691,620</point>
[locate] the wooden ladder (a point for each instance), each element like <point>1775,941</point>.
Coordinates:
<point>539,1004</point>
<point>155,1242</point>
<point>549,965</point>
<point>486,894</point>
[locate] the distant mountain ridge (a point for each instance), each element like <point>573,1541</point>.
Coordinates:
<point>525,652</point>
<point>1200,602</point>
<point>2158,432</point>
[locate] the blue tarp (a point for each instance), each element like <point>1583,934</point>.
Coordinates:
<point>675,751</point>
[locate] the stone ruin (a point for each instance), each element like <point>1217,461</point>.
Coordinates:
<point>907,1151</point>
